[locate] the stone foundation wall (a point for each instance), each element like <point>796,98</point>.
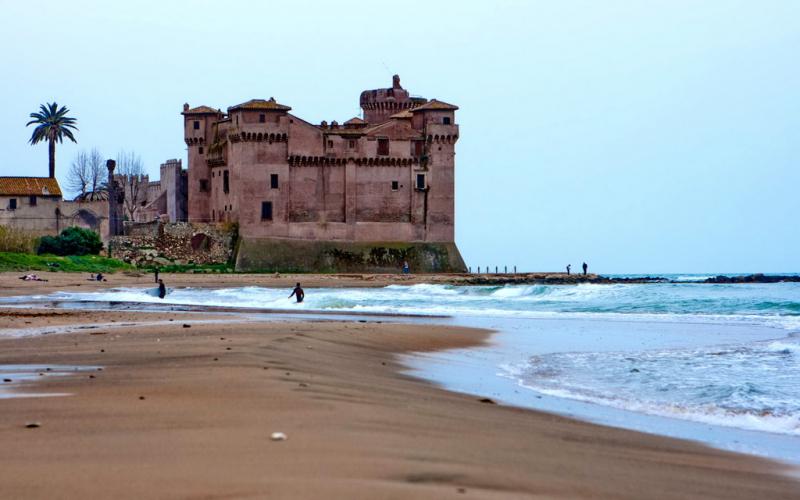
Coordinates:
<point>158,243</point>
<point>286,255</point>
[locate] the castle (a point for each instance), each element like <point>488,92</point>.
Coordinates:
<point>360,195</point>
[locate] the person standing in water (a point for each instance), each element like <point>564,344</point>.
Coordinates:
<point>585,268</point>
<point>569,266</point>
<point>298,292</point>
<point>162,289</point>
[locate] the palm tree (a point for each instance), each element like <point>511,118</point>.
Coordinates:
<point>52,124</point>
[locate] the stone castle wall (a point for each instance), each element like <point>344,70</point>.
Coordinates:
<point>159,243</point>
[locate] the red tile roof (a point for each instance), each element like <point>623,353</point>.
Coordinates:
<point>269,105</point>
<point>355,121</point>
<point>202,110</point>
<point>433,104</point>
<point>29,186</point>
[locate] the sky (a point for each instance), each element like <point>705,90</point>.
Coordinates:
<point>637,136</point>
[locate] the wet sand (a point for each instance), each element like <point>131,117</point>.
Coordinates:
<point>187,412</point>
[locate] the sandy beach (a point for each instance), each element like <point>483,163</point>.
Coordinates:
<point>185,409</point>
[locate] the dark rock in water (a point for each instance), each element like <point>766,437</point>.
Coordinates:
<point>754,278</point>
<point>487,400</point>
<point>634,370</point>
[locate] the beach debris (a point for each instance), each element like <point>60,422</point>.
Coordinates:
<point>91,376</point>
<point>32,425</point>
<point>98,333</point>
<point>462,490</point>
<point>303,384</point>
<point>48,369</point>
<point>6,380</point>
<point>487,401</point>
<point>383,363</point>
<point>216,359</point>
<point>141,398</point>
<point>222,338</point>
<point>278,436</point>
<point>266,367</point>
<point>102,350</point>
<point>227,348</point>
<point>99,369</point>
<point>186,325</point>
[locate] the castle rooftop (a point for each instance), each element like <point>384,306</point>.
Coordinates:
<point>29,186</point>
<point>433,104</point>
<point>260,104</point>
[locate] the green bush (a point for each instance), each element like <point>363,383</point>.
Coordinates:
<point>71,241</point>
<point>16,240</point>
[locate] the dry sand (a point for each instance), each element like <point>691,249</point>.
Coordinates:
<point>182,412</point>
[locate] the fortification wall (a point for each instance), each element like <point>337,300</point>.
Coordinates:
<point>288,255</point>
<point>158,243</point>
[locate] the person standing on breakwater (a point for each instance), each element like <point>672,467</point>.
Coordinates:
<point>299,293</point>
<point>585,268</point>
<point>569,266</point>
<point>162,289</point>
<point>406,269</point>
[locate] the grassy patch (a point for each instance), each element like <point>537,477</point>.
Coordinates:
<point>76,264</point>
<point>190,268</point>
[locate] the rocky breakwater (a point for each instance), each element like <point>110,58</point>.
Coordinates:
<point>754,278</point>
<point>552,279</point>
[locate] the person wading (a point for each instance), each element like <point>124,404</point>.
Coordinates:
<point>298,292</point>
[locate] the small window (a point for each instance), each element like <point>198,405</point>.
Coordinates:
<point>200,150</point>
<point>446,120</point>
<point>273,181</point>
<point>420,181</point>
<point>383,147</point>
<point>266,210</point>
<point>226,185</point>
<point>417,148</point>
<point>395,185</point>
<point>330,144</point>
<point>196,125</point>
<point>12,204</point>
<point>351,144</point>
<point>32,201</point>
<point>262,118</point>
<point>204,185</point>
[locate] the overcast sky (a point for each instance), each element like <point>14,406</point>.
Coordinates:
<point>639,136</point>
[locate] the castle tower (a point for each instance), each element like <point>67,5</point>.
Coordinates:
<point>379,104</point>
<point>197,132</point>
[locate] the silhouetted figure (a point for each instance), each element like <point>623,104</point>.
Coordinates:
<point>99,277</point>
<point>585,268</point>
<point>162,289</point>
<point>299,293</point>
<point>156,275</point>
<point>569,266</point>
<point>406,269</point>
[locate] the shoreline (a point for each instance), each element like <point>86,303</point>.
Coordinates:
<point>62,281</point>
<point>357,424</point>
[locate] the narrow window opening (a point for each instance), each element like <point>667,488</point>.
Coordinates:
<point>262,118</point>
<point>226,185</point>
<point>420,181</point>
<point>200,150</point>
<point>351,144</point>
<point>395,185</point>
<point>32,201</point>
<point>330,144</point>
<point>273,181</point>
<point>266,210</point>
<point>196,125</point>
<point>204,185</point>
<point>12,204</point>
<point>383,147</point>
<point>446,120</point>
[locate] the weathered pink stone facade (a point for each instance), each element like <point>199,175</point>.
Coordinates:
<point>388,177</point>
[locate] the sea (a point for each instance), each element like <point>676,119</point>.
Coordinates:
<point>714,363</point>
